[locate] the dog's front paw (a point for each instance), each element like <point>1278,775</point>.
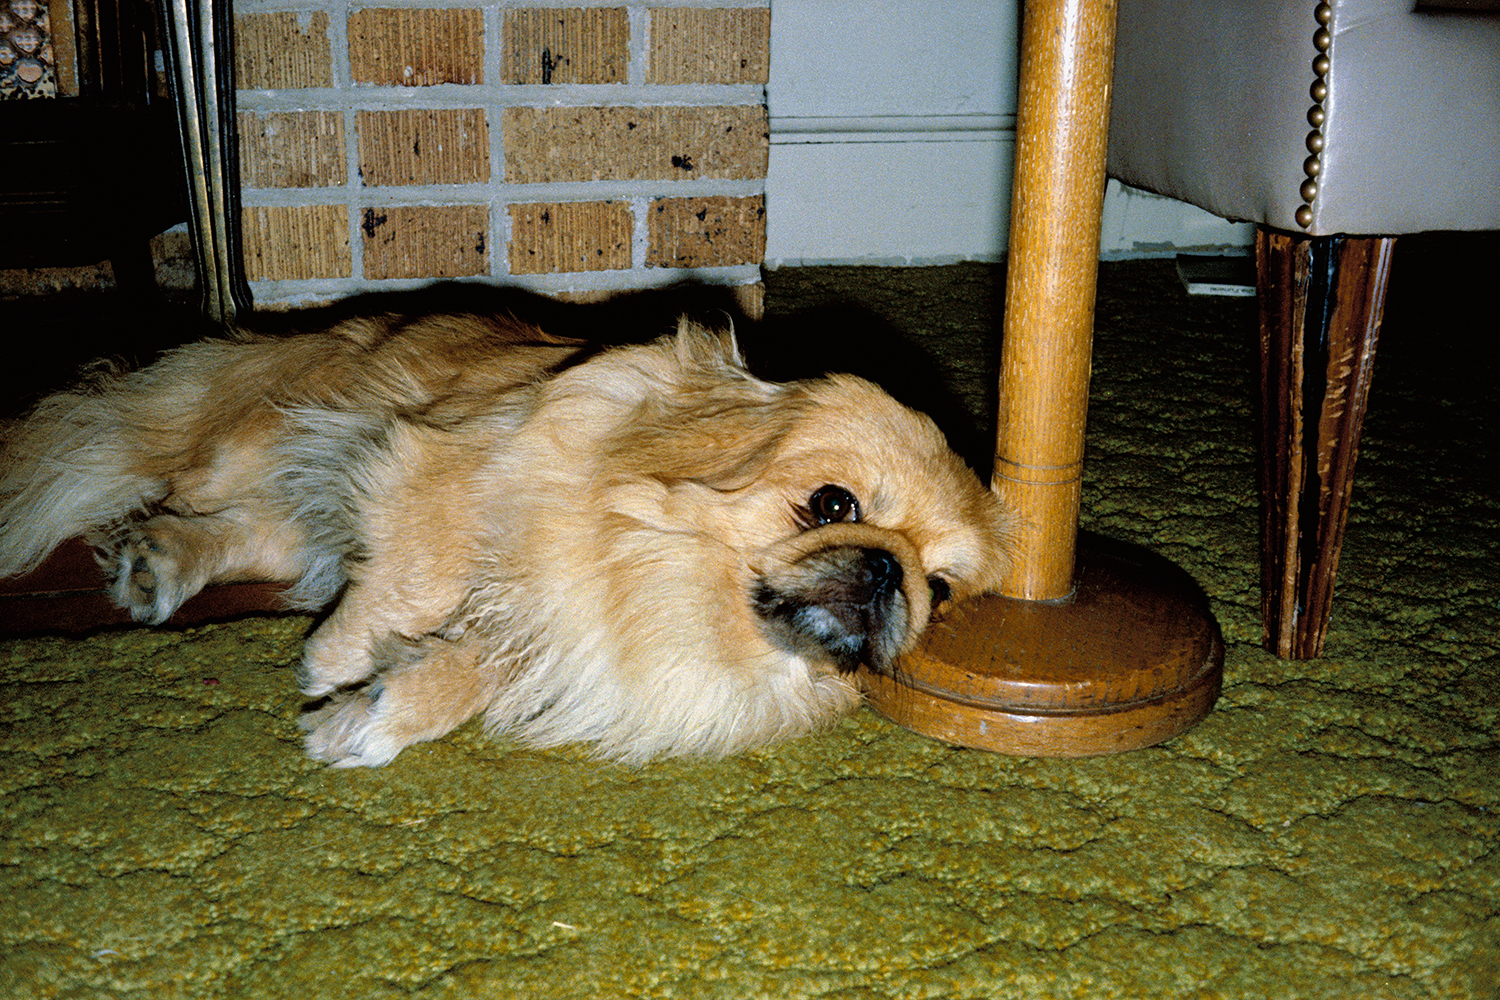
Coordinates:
<point>341,653</point>
<point>348,731</point>
<point>148,579</point>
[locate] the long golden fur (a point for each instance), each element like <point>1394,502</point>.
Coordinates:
<point>643,548</point>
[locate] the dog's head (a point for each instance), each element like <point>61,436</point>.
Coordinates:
<point>849,520</point>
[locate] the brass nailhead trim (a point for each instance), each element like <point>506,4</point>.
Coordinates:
<point>1322,40</point>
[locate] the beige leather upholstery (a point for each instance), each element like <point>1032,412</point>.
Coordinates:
<point>1214,102</point>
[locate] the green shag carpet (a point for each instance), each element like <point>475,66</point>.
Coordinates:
<point>1329,831</point>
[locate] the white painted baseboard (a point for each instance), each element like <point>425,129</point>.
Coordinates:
<point>918,189</point>
<point>888,189</point>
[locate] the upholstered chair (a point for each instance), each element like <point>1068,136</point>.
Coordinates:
<point>1335,127</point>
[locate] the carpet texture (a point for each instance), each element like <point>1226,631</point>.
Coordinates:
<point>1329,831</point>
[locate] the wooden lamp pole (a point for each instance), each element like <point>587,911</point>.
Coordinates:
<point>1087,649</point>
<point>1062,137</point>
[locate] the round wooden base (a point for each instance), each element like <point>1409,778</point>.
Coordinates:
<point>1133,657</point>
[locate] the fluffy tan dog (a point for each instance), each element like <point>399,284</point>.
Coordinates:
<point>642,548</point>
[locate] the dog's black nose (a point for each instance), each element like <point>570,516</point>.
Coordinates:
<point>882,571</point>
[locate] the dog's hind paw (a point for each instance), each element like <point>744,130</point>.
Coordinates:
<point>147,579</point>
<point>347,731</point>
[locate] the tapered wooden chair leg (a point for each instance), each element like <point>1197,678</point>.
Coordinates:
<point>1321,302</point>
<point>1089,648</point>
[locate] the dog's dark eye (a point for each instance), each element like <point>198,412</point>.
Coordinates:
<point>830,504</point>
<point>940,589</point>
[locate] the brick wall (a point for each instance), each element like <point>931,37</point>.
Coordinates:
<point>569,149</point>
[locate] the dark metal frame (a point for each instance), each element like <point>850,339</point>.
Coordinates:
<point>200,61</point>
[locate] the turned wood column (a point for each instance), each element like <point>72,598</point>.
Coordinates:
<point>1062,135</point>
<point>1086,649</point>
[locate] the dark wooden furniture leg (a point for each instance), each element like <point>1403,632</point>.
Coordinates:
<point>1321,301</point>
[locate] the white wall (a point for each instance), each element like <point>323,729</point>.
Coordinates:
<point>892,130</point>
<point>892,135</point>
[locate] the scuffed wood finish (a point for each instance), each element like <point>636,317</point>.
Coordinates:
<point>1321,302</point>
<point>1062,132</point>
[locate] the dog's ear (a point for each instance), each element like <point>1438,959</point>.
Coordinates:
<point>700,348</point>
<point>723,433</point>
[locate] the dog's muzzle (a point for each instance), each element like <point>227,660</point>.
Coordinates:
<point>841,602</point>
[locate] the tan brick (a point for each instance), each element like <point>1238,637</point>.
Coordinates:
<point>416,48</point>
<point>571,236</point>
<point>296,242</point>
<point>293,149</point>
<point>426,241</point>
<point>545,145</point>
<point>566,45</point>
<point>709,45</point>
<point>706,232</point>
<point>437,146</point>
<point>282,51</point>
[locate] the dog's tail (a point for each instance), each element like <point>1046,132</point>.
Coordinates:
<point>69,468</point>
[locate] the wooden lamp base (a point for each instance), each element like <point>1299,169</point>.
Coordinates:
<point>1097,647</point>
<point>1132,658</point>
